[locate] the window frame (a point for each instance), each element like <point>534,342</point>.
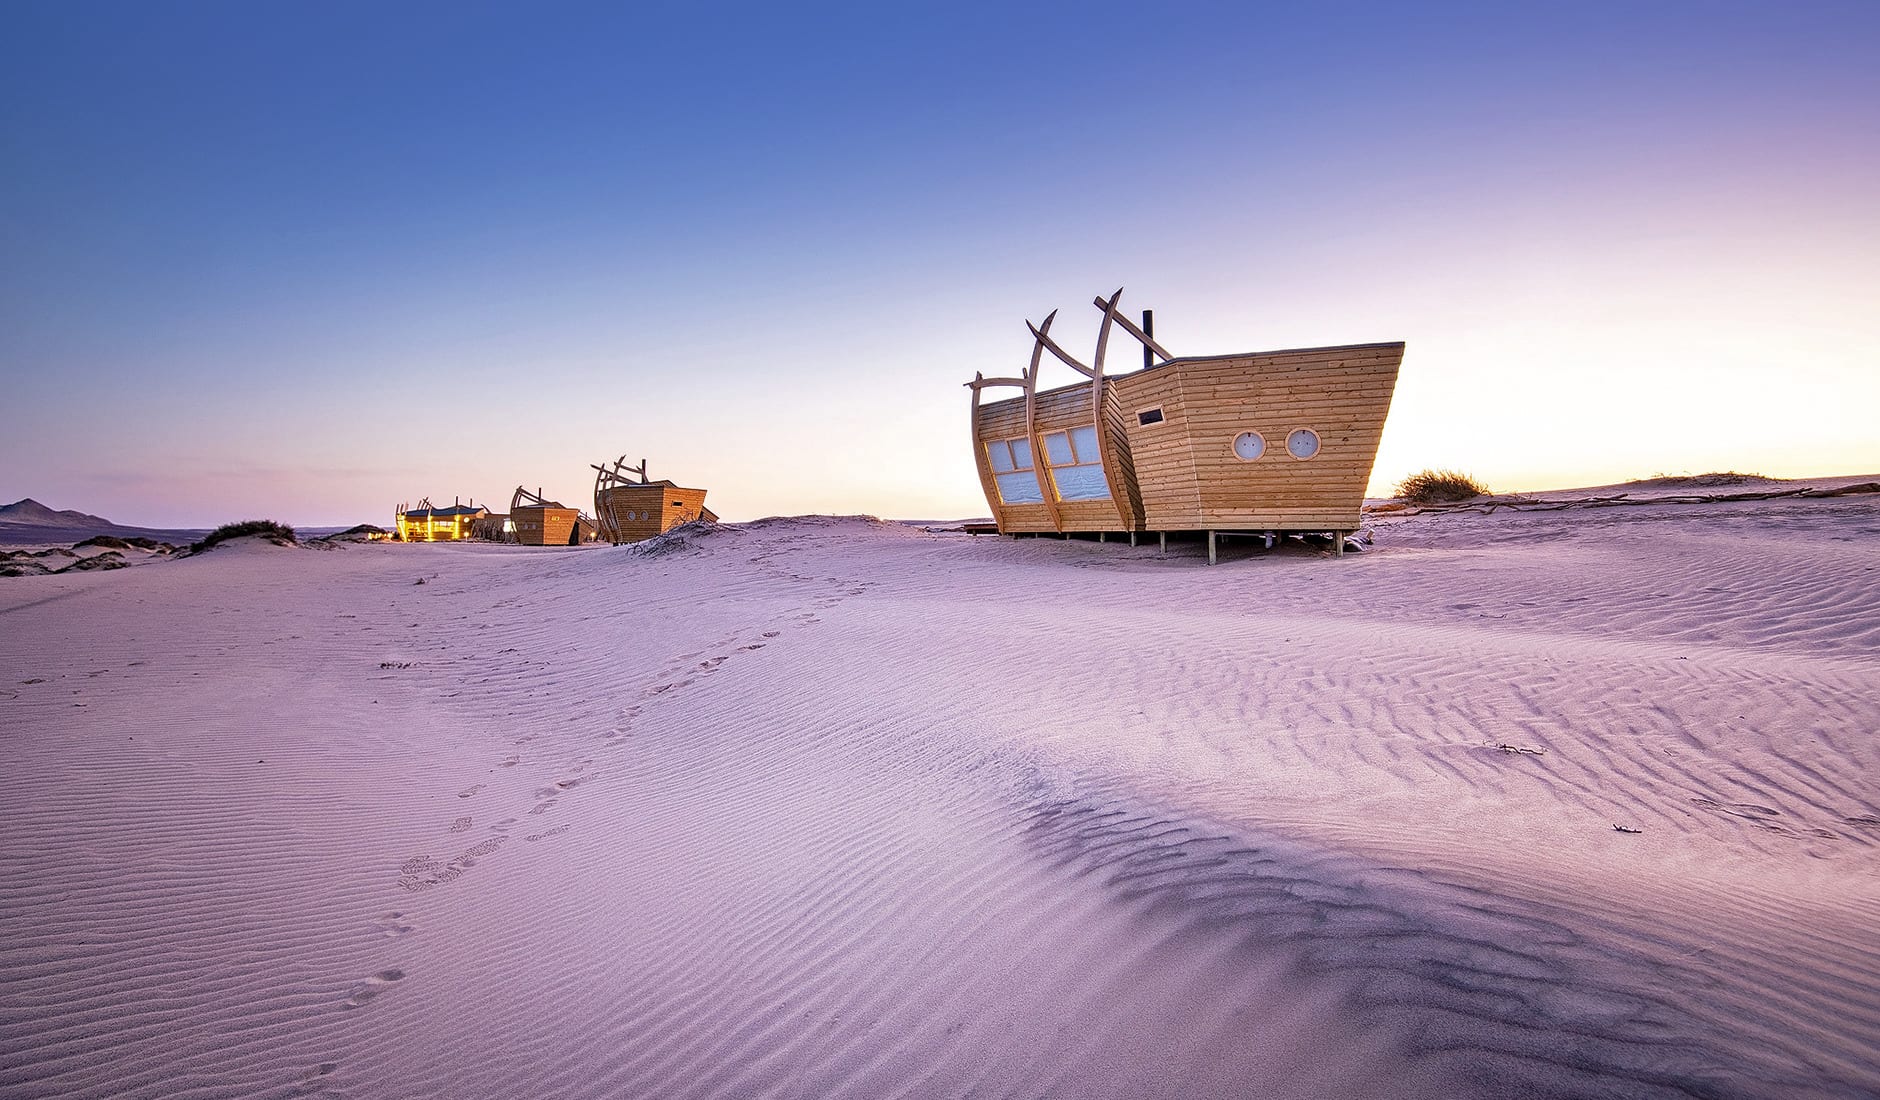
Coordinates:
<point>1318,444</point>
<point>1078,461</point>
<point>1233,446</point>
<point>1011,456</point>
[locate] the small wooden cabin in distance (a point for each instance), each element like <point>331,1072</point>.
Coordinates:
<point>1269,442</point>
<point>629,510</point>
<point>540,522</point>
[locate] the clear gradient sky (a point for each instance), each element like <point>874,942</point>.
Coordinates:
<point>305,261</point>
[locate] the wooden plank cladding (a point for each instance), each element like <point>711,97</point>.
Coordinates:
<point>1271,441</point>
<point>537,521</point>
<point>630,510</point>
<point>544,525</point>
<point>638,512</point>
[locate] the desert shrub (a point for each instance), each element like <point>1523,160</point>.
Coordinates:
<point>278,533</point>
<point>1439,487</point>
<point>109,542</point>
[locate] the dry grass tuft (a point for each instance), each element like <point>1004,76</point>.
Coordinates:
<point>1439,487</point>
<point>278,533</point>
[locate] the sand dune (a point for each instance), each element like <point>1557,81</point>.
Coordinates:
<point>835,808</point>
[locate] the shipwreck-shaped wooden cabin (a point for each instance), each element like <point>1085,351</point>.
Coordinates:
<point>539,522</point>
<point>630,510</point>
<point>1268,442</point>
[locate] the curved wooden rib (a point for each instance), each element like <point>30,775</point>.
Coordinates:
<point>988,483</point>
<point>1040,469</point>
<point>1027,381</point>
<point>1111,448</point>
<point>1046,343</point>
<point>608,477</point>
<point>603,517</point>
<point>1130,327</point>
<point>1096,411</point>
<point>525,499</point>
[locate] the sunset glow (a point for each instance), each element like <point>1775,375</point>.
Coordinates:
<point>308,263</point>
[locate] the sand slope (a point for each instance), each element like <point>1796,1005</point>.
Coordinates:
<point>838,808</point>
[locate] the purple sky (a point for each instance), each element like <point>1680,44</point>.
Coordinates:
<point>306,262</point>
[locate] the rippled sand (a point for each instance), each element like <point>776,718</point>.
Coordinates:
<point>836,808</point>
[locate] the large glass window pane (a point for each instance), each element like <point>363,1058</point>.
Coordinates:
<point>1021,453</point>
<point>1085,441</point>
<point>1020,488</point>
<point>1081,483</point>
<point>1057,449</point>
<point>1001,456</point>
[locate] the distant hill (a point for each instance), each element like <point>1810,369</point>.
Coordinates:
<point>30,523</point>
<point>30,511</point>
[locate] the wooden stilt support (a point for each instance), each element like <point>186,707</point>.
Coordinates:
<point>1338,544</point>
<point>1103,536</point>
<point>1164,537</point>
<point>1211,548</point>
<point>1132,538</point>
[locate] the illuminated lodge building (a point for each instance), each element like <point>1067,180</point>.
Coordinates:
<point>427,523</point>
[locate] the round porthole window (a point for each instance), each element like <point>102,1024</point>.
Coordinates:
<point>1249,446</point>
<point>1302,443</point>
